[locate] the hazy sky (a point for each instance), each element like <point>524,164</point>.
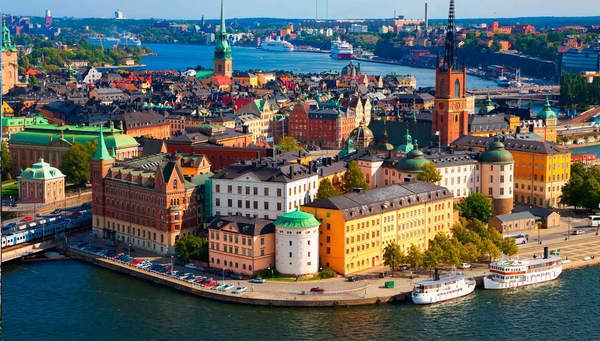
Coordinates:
<point>193,9</point>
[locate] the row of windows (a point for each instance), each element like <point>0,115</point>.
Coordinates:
<point>231,264</point>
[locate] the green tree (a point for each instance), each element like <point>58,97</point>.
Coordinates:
<point>414,256</point>
<point>289,144</point>
<point>476,206</point>
<point>192,247</point>
<point>429,173</point>
<point>490,249</point>
<point>393,255</point>
<point>6,165</point>
<point>354,178</point>
<point>327,273</point>
<point>76,162</point>
<point>327,189</point>
<point>509,247</point>
<point>431,259</point>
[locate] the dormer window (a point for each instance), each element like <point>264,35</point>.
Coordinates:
<point>175,184</point>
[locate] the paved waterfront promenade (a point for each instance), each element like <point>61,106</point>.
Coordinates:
<point>580,251</point>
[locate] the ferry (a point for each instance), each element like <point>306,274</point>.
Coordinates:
<point>442,288</point>
<point>341,50</point>
<point>277,45</point>
<point>513,273</point>
<point>124,40</point>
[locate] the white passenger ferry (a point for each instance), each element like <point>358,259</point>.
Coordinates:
<point>513,273</point>
<point>442,288</point>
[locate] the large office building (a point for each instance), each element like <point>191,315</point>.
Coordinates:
<point>356,227</point>
<point>577,61</point>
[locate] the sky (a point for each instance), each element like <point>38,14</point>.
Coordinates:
<point>339,9</point>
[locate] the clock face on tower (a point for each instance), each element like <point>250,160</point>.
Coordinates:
<point>457,106</point>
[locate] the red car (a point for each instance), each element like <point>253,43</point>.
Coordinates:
<point>136,261</point>
<point>27,219</point>
<point>210,283</point>
<point>317,290</point>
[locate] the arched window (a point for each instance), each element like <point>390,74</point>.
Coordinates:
<point>457,92</point>
<point>442,86</point>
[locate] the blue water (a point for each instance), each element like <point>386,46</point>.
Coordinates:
<point>69,300</point>
<point>180,57</point>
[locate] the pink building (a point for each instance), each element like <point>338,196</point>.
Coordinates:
<point>240,244</point>
<point>41,184</point>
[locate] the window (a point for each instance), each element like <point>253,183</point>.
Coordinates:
<point>266,191</point>
<point>279,192</point>
<point>217,188</point>
<point>290,255</point>
<point>290,243</point>
<point>266,205</point>
<point>490,191</point>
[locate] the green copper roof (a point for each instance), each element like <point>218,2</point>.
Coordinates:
<point>46,134</point>
<point>547,112</point>
<point>348,149</point>
<point>201,74</point>
<point>414,161</point>
<point>496,153</point>
<point>297,218</point>
<point>41,171</point>
<point>489,106</point>
<point>101,151</point>
<point>13,121</point>
<point>407,144</point>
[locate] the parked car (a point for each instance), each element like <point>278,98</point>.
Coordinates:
<point>382,274</point>
<point>226,287</point>
<point>317,290</point>
<point>404,267</point>
<point>191,266</point>
<point>210,283</point>
<point>218,286</point>
<point>465,266</point>
<point>257,281</point>
<point>353,279</point>
<point>577,232</point>
<point>239,290</point>
<point>27,219</point>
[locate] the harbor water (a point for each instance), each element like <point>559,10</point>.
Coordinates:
<point>181,57</point>
<point>70,300</point>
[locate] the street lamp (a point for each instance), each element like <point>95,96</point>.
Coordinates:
<point>129,249</point>
<point>172,266</point>
<point>568,228</point>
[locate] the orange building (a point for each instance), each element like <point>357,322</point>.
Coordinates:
<point>10,67</point>
<point>240,244</point>
<point>145,124</point>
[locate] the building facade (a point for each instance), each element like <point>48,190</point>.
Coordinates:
<point>324,127</point>
<point>10,67</point>
<point>241,245</point>
<point>144,202</point>
<point>262,188</point>
<point>356,227</point>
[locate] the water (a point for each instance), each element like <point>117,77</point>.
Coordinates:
<point>70,300</point>
<point>180,57</point>
<point>586,150</point>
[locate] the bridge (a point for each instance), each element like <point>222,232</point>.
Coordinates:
<point>534,93</point>
<point>584,117</point>
<point>40,245</point>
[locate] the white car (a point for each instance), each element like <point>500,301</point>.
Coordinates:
<point>226,287</point>
<point>465,266</point>
<point>191,266</point>
<point>239,290</point>
<point>218,286</point>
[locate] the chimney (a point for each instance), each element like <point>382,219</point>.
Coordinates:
<point>436,274</point>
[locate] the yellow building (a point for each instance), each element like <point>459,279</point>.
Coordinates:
<point>246,79</point>
<point>541,168</point>
<point>356,227</point>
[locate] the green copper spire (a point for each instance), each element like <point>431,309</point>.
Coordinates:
<point>222,50</point>
<point>223,30</point>
<point>547,112</point>
<point>7,44</point>
<point>101,151</point>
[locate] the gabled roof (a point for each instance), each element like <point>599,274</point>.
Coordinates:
<point>243,225</point>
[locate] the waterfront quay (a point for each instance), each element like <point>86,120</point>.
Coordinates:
<point>576,251</point>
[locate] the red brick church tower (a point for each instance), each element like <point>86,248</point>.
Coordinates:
<point>100,164</point>
<point>450,118</point>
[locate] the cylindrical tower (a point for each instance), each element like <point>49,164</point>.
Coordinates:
<point>497,168</point>
<point>297,243</point>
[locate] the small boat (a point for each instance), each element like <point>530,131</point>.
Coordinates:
<point>513,273</point>
<point>442,288</point>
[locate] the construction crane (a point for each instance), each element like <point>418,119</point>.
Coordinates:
<point>590,75</point>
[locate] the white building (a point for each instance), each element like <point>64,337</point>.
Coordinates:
<point>264,188</point>
<point>297,243</point>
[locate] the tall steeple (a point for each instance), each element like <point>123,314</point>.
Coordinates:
<point>7,43</point>
<point>450,58</point>
<point>222,58</point>
<point>101,150</point>
<point>223,29</point>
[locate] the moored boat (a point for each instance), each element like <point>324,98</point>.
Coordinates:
<point>442,288</point>
<point>513,273</point>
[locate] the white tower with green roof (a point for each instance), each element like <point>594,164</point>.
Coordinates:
<point>297,243</point>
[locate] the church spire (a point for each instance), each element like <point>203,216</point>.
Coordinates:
<point>101,150</point>
<point>223,30</point>
<point>450,58</point>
